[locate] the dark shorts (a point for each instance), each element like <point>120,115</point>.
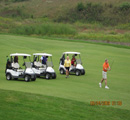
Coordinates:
<point>67,68</point>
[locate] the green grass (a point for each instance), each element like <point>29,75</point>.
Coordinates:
<point>21,106</point>
<point>78,91</point>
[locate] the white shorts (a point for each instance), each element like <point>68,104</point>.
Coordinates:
<point>104,75</point>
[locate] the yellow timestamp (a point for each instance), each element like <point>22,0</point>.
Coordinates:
<point>101,103</point>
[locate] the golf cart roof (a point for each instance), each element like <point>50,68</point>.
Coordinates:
<point>71,53</point>
<point>19,54</point>
<point>42,54</point>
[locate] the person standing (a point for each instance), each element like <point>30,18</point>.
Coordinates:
<point>43,60</point>
<point>106,67</point>
<point>67,65</point>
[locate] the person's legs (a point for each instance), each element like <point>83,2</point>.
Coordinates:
<point>105,78</point>
<point>104,75</point>
<point>66,72</point>
<point>105,82</point>
<point>102,80</point>
<point>100,84</point>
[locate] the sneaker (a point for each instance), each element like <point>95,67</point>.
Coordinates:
<point>106,87</point>
<point>66,77</point>
<point>100,85</point>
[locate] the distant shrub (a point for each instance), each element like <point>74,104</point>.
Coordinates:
<point>32,16</point>
<point>14,12</point>
<point>93,11</point>
<point>80,6</point>
<point>18,0</point>
<point>125,6</point>
<point>106,14</point>
<point>7,1</point>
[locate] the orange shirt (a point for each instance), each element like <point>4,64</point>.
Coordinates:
<point>105,66</point>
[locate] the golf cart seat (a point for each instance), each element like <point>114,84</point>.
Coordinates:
<point>38,64</point>
<point>43,67</point>
<point>16,67</point>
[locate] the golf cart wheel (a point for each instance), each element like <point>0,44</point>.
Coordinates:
<point>62,71</point>
<point>77,72</point>
<point>47,76</point>
<point>8,76</point>
<point>54,76</point>
<point>33,79</point>
<point>83,72</point>
<point>27,78</point>
<point>38,76</point>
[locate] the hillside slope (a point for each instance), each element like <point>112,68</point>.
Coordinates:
<point>43,8</point>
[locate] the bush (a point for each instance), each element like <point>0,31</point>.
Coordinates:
<point>80,6</point>
<point>14,12</point>
<point>18,0</point>
<point>7,1</point>
<point>106,14</point>
<point>125,6</point>
<point>93,12</point>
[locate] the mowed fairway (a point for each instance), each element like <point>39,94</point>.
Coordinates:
<point>79,89</point>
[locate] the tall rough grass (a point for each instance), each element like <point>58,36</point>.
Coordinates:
<point>45,29</point>
<point>104,37</point>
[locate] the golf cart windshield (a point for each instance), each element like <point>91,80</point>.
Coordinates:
<point>49,63</point>
<point>28,64</point>
<point>78,61</point>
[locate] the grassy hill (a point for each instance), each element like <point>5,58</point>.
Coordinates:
<point>71,96</point>
<point>100,21</point>
<point>41,8</point>
<point>20,106</point>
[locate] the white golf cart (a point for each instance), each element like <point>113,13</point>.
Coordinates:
<point>43,69</point>
<point>14,71</point>
<point>76,68</point>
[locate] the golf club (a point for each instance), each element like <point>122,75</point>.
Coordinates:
<point>111,64</point>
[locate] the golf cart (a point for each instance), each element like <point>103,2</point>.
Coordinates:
<point>14,71</point>
<point>43,69</point>
<point>76,68</point>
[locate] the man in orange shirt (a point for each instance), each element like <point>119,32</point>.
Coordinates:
<point>106,67</point>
